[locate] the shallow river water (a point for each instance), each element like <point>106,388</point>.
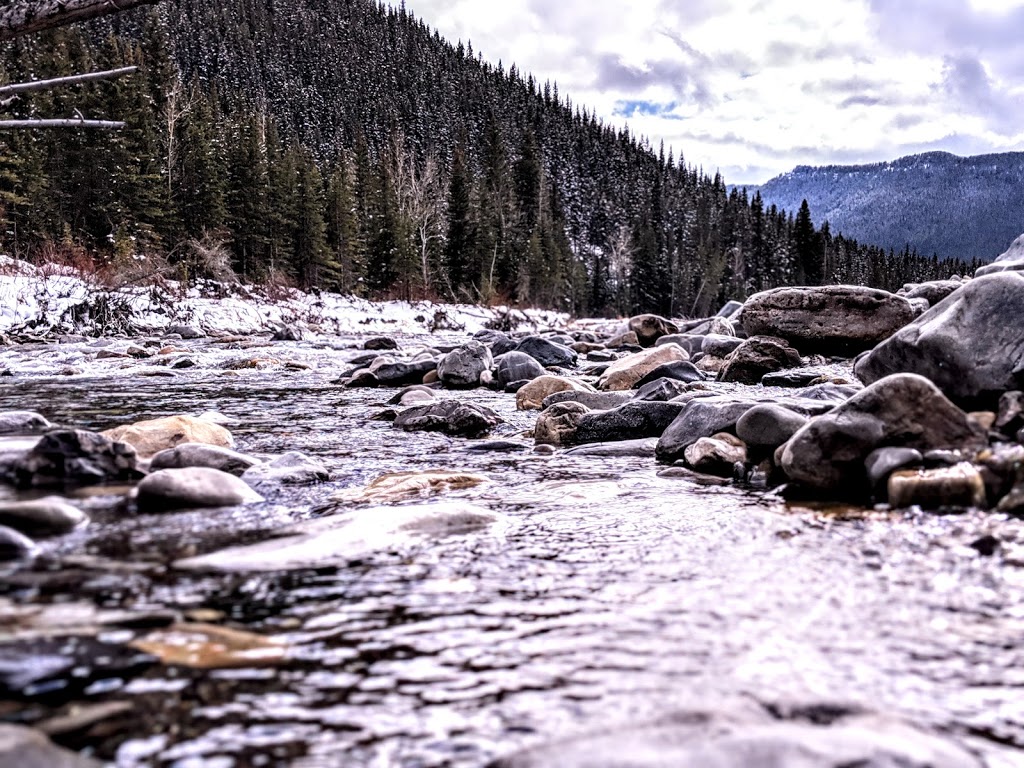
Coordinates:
<point>607,594</point>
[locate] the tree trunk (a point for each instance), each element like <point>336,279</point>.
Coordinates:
<point>23,17</point>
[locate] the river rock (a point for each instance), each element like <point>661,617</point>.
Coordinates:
<point>719,346</point>
<point>791,378</point>
<point>680,370</point>
<point>499,342</point>
<point>742,737</point>
<point>901,410</point>
<point>289,332</point>
<point>292,468</point>
<point>627,339</point>
<point>717,455</point>
<point>882,462</point>
<point>15,545</point>
<point>933,292</point>
<point>625,373</point>
<point>706,416</point>
<point>828,392</point>
<point>462,368</point>
<point>930,489</point>
<point>715,326</point>
<point>531,396</point>
<point>661,390</point>
<point>450,417</point>
<point>22,747</point>
<point>755,357</point>
<point>23,423</point>
<point>971,345</point>
<point>76,457</point>
<point>516,366</point>
<point>203,455</point>
<point>402,373</point>
<point>688,341</point>
<point>48,516</point>
<point>650,328</point>
<point>1012,259</point>
<point>1010,417</point>
<point>832,319</point>
<point>768,425</point>
<point>557,424</point>
<point>154,435</point>
<point>635,420</point>
<point>546,352</point>
<point>379,343</point>
<point>169,489</point>
<point>396,487</point>
<point>595,401</point>
<point>184,332</point>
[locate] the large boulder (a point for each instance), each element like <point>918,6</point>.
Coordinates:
<point>450,417</point>
<point>833,319</point>
<point>971,345</point>
<point>154,435</point>
<point>462,368</point>
<point>168,489</point>
<point>72,457</point>
<point>546,352</point>
<point>516,366</point>
<point>628,371</point>
<point>1011,260</point>
<point>650,328</point>
<point>756,357</point>
<point>828,453</point>
<point>531,397</point>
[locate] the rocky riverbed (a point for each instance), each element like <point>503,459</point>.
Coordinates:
<point>687,544</point>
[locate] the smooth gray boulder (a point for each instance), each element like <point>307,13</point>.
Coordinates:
<point>516,366</point>
<point>971,345</point>
<point>49,516</point>
<point>1010,260</point>
<point>292,468</point>
<point>22,747</point>
<point>832,319</point>
<point>769,425</point>
<point>23,423</point>
<point>903,410</point>
<point>462,368</point>
<point>203,455</point>
<point>170,489</point>
<point>546,352</point>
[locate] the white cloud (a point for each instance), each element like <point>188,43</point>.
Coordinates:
<point>758,86</point>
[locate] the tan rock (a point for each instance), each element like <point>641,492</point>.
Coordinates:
<point>208,646</point>
<point>155,435</point>
<point>531,396</point>
<point>716,455</point>
<point>557,425</point>
<point>629,338</point>
<point>959,486</point>
<point>625,373</point>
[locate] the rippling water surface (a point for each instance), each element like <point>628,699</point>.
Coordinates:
<point>608,594</point>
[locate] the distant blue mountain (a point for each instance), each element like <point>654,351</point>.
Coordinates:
<point>938,203</point>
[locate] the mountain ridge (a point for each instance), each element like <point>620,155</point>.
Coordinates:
<point>935,202</point>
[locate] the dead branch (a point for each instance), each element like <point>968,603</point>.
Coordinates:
<point>43,85</point>
<point>103,125</point>
<point>23,17</point>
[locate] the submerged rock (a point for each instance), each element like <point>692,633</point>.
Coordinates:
<point>402,486</point>
<point>154,435</point>
<point>451,417</point>
<point>292,468</point>
<point>169,489</point>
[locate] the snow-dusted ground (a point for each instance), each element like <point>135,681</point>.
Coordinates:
<point>55,300</point>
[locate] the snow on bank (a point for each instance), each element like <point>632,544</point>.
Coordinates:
<point>54,300</point>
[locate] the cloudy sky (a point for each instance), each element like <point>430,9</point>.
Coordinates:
<point>756,87</point>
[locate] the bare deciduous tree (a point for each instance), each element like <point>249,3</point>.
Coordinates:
<point>23,17</point>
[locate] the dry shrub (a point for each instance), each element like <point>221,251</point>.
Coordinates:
<point>205,258</point>
<point>279,286</point>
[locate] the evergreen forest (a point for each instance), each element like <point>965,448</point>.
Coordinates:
<point>344,145</point>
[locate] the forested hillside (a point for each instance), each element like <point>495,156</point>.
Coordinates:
<point>965,207</point>
<point>343,145</point>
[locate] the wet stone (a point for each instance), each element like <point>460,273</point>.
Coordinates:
<point>934,489</point>
<point>203,455</point>
<point>42,517</point>
<point>23,423</point>
<point>293,468</point>
<point>76,457</point>
<point>451,417</point>
<point>170,489</point>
